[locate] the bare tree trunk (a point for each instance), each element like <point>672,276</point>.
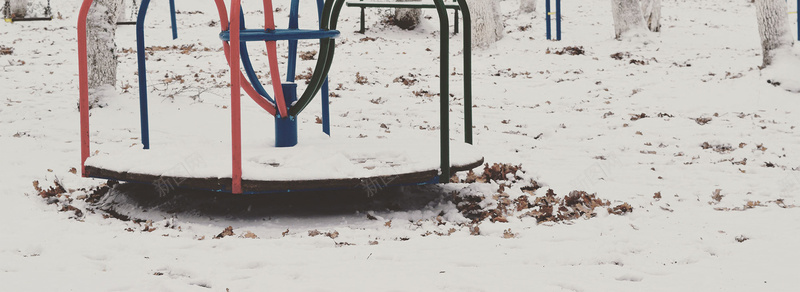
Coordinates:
<point>102,26</point>
<point>527,6</point>
<point>407,18</point>
<point>19,8</point>
<point>652,14</point>
<point>773,27</point>
<point>487,23</point>
<point>627,17</point>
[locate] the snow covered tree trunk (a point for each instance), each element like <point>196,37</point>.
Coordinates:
<point>652,14</point>
<point>407,18</point>
<point>101,30</point>
<point>773,27</point>
<point>487,23</point>
<point>527,6</point>
<point>123,10</point>
<point>19,8</point>
<point>627,17</point>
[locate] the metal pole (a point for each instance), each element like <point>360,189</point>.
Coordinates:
<point>236,105</point>
<point>142,67</point>
<point>294,12</point>
<point>83,83</point>
<point>325,98</point>
<point>547,17</point>
<point>455,19</point>
<point>362,20</point>
<point>444,93</point>
<point>173,19</point>
<point>286,127</point>
<point>558,20</point>
<point>467,36</point>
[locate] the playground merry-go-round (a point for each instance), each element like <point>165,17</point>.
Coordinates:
<point>293,160</point>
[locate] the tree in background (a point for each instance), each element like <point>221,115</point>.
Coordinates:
<point>527,6</point>
<point>773,27</point>
<point>628,18</point>
<point>19,8</point>
<point>487,23</point>
<point>407,18</point>
<point>652,14</point>
<point>101,31</point>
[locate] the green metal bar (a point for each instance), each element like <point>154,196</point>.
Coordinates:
<point>330,19</point>
<point>467,70</point>
<point>455,19</point>
<point>363,29</point>
<point>399,5</point>
<point>444,93</point>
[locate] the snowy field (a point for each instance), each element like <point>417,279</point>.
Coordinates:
<point>690,149</point>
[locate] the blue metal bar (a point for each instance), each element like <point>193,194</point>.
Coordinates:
<point>248,66</point>
<point>558,20</point>
<point>797,10</point>
<point>547,17</point>
<point>291,69</point>
<point>140,54</point>
<point>173,19</point>
<point>251,35</point>
<point>325,98</point>
<point>286,127</point>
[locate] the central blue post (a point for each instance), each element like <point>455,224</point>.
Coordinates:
<point>286,127</point>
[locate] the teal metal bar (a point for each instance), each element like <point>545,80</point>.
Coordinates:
<point>252,35</point>
<point>455,19</point>
<point>362,30</point>
<point>327,48</point>
<point>400,5</point>
<point>467,37</point>
<point>444,93</point>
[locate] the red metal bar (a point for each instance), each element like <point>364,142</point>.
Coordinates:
<point>236,106</point>
<point>248,88</point>
<point>83,83</point>
<point>272,54</point>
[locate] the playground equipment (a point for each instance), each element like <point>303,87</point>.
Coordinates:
<point>266,171</point>
<point>134,13</point>
<point>9,17</point>
<point>557,14</point>
<point>363,5</point>
<point>135,16</point>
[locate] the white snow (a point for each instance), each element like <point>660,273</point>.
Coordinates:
<point>712,121</point>
<point>315,157</point>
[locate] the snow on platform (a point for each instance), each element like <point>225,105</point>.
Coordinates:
<point>318,163</point>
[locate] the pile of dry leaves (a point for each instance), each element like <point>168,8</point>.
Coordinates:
<point>547,208</point>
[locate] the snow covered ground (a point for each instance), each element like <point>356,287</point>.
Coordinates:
<point>683,126</point>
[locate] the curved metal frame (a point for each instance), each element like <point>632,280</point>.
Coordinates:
<point>234,49</point>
